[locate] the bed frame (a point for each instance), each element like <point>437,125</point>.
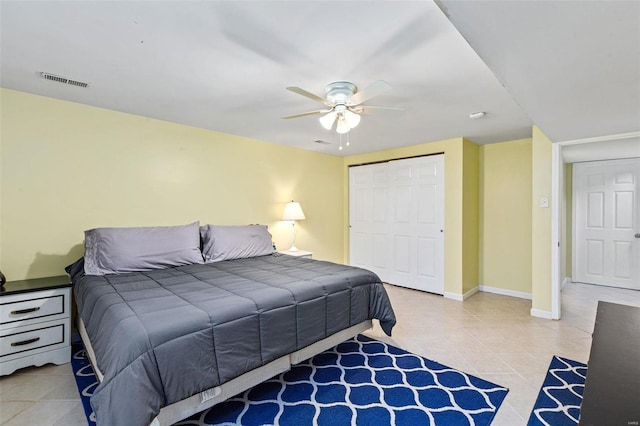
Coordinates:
<point>194,404</point>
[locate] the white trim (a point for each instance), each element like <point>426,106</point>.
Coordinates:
<point>470,293</point>
<point>505,292</point>
<point>461,297</point>
<point>574,255</point>
<point>600,138</point>
<point>453,296</point>
<point>557,177</point>
<point>565,281</point>
<point>541,314</point>
<point>557,191</point>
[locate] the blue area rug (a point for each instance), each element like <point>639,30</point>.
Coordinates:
<point>359,382</point>
<point>560,397</point>
<point>86,379</point>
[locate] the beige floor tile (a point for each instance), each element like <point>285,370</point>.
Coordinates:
<point>11,408</point>
<point>485,363</point>
<point>507,416</point>
<point>75,417</point>
<point>42,413</point>
<point>523,406</point>
<point>38,387</point>
<point>64,387</point>
<point>20,387</point>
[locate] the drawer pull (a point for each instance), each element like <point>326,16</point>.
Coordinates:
<point>25,311</point>
<point>25,342</point>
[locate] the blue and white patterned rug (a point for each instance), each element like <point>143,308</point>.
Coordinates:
<point>359,382</point>
<point>560,397</point>
<point>86,379</point>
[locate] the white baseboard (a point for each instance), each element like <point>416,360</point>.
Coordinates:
<point>461,297</point>
<point>505,292</point>
<point>453,296</point>
<point>470,293</point>
<point>541,314</point>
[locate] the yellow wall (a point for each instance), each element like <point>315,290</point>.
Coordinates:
<point>67,167</point>
<point>505,215</point>
<point>470,218</point>
<point>541,223</point>
<point>458,245</point>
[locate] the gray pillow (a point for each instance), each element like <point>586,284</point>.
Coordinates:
<point>118,250</point>
<point>234,242</point>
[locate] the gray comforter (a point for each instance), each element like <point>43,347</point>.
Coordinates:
<point>164,335</point>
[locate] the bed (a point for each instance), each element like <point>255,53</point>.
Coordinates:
<point>169,342</point>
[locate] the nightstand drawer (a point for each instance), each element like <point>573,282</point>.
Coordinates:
<point>20,340</point>
<point>31,309</point>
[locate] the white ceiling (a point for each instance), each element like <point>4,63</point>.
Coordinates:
<point>224,65</point>
<point>573,66</point>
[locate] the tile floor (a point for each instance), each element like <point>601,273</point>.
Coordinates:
<point>488,335</point>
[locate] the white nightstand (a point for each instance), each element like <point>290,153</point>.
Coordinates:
<point>35,323</point>
<point>299,253</point>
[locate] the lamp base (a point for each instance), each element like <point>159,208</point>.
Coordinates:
<point>293,248</point>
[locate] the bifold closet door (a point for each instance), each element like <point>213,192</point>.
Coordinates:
<point>397,221</point>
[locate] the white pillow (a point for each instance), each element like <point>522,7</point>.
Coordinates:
<point>119,250</point>
<point>234,242</point>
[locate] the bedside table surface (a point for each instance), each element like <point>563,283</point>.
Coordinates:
<point>36,284</point>
<point>296,253</point>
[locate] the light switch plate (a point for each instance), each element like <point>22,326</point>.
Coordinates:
<point>544,202</point>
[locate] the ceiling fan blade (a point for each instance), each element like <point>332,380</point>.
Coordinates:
<point>371,109</point>
<point>309,95</point>
<point>318,111</point>
<point>374,89</point>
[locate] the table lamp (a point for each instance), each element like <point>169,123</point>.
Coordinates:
<point>293,212</point>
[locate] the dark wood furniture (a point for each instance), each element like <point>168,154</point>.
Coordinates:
<point>612,389</point>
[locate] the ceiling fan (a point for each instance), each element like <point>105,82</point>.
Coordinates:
<point>344,103</point>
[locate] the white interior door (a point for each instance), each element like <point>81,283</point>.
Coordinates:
<point>397,221</point>
<point>607,223</point>
<point>369,218</point>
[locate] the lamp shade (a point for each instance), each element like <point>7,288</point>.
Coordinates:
<point>343,126</point>
<point>352,118</point>
<point>327,120</point>
<point>293,211</point>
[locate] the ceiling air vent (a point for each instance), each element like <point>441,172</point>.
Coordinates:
<point>318,141</point>
<point>64,80</point>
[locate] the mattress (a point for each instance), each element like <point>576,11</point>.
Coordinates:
<point>161,336</point>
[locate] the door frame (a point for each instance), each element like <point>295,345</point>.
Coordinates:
<point>588,149</point>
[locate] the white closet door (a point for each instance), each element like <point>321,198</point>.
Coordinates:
<point>369,223</point>
<point>397,221</point>
<point>606,222</point>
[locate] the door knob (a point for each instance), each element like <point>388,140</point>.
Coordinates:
<point>637,235</point>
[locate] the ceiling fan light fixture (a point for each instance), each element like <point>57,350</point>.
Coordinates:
<point>327,120</point>
<point>352,118</point>
<point>343,126</point>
